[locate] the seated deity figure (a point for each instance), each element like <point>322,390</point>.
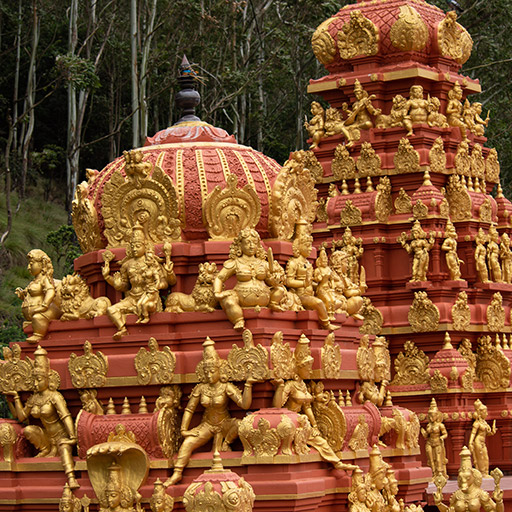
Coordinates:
<point>40,299</point>
<point>315,126</point>
<point>141,277</point>
<point>416,108</point>
<point>213,393</point>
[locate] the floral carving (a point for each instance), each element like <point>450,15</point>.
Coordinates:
<point>89,370</point>
<point>15,374</point>
<point>368,163</point>
<point>423,314</point>
<point>492,167</point>
<point>323,44</point>
<point>403,202</point>
<point>459,199</point>
<point>492,367</point>
<point>409,32</point>
<point>383,204</point>
<point>437,156</point>
<point>155,366</point>
<point>343,165</point>
<point>359,439</point>
<point>373,319</point>
<point>350,215</point>
<point>406,159</point>
<point>477,162</point>
<point>438,382</point>
<point>85,220</point>
<point>496,313</point>
<point>331,358</point>
<point>461,314</point>
<point>453,39</point>
<point>248,361</point>
<point>411,366</point>
<point>462,159</point>
<point>358,37</point>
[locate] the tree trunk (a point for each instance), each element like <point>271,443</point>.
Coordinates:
<point>135,80</point>
<point>8,207</point>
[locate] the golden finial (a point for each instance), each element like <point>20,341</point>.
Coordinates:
<point>126,406</point>
<point>426,179</point>
<point>369,185</point>
<point>344,188</point>
<point>143,406</point>
<point>357,186</point>
<point>447,342</point>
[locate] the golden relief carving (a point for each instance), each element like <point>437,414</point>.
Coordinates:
<point>435,118</point>
<point>168,427</point>
<point>76,301</point>
<point>334,123</point>
<point>438,382</point>
<point>409,32</point>
<point>90,402</point>
<point>461,314</point>
<point>374,367</point>
<point>262,440</point>
<point>89,370</point>
<point>406,159</point>
<point>477,440</point>
<point>316,125</point>
<point>15,374</point>
<point>228,210</point>
<point>435,434</point>
<point>453,39</point>
<point>214,392</point>
<point>396,115</point>
<point>359,439</point>
<point>423,314</point>
<point>411,366</point>
<point>55,434</point>
<point>140,200</point>
<point>368,163</point>
<point>343,165</point>
<point>420,210</point>
<point>141,276</point>
<point>466,351</point>
<point>437,156</point>
<point>450,247</point>
<point>358,37</point>
<point>492,167</point>
<point>321,210</point>
<point>420,246</point>
<point>85,219</point>
<point>459,199</point>
<point>492,367</point>
<point>331,358</point>
<point>383,202</point>
<point>155,366</point>
<point>315,167</point>
<point>373,319</point>
<point>470,492</point>
<point>229,494</point>
<point>462,159</point>
<point>8,437</point>
<point>403,202</point>
<point>350,215</point>
<point>282,357</point>
<point>249,361</point>
<point>202,297</point>
<point>477,162</point>
<point>323,44</point>
<point>471,115</point>
<point>485,211</point>
<point>293,197</point>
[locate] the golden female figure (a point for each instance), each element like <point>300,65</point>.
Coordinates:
<point>481,429</point>
<point>450,247</point>
<point>493,255</point>
<point>141,277</point>
<point>419,247</point>
<point>294,395</point>
<point>256,284</point>
<point>39,305</point>
<point>480,256</point>
<point>56,435</point>
<point>213,393</point>
<point>324,283</point>
<point>435,433</point>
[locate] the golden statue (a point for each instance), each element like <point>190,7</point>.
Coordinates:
<point>376,481</point>
<point>450,247</point>
<point>454,110</point>
<point>57,434</point>
<point>323,282</point>
<point>213,393</point>
<point>396,116</point>
<point>435,433</point>
<point>374,367</point>
<point>358,493</point>
<point>294,395</point>
<point>141,277</point>
<point>435,118</point>
<point>493,255</point>
<point>40,301</point>
<point>506,258</point>
<point>470,496</point>
<point>481,429</point>
<point>481,256</point>
<point>420,246</point>
<point>69,502</point>
<point>118,497</point>
<point>160,501</point>
<point>257,279</point>
<point>416,109</point>
<point>359,116</point>
<point>472,118</point>
<point>299,278</point>
<point>315,126</point>
<point>390,491</point>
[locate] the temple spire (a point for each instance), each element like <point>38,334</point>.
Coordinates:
<point>187,98</point>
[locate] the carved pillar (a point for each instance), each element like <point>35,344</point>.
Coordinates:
<point>456,435</point>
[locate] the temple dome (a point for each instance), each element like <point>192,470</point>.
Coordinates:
<point>389,32</point>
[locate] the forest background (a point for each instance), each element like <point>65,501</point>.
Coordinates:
<point>83,80</point>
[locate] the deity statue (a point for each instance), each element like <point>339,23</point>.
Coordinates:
<point>396,116</point>
<point>454,110</point>
<point>213,393</point>
<point>90,402</point>
<point>416,109</point>
<point>434,117</point>
<point>435,433</point>
<point>69,502</point>
<point>481,429</point>
<point>40,301</point>
<point>358,493</point>
<point>57,434</point>
<point>359,116</point>
<point>299,278</point>
<point>450,247</point>
<point>474,123</point>
<point>258,282</point>
<point>506,258</point>
<point>160,501</point>
<point>420,246</point>
<point>470,496</point>
<point>374,366</point>
<point>481,256</point>
<point>295,396</point>
<point>323,279</point>
<point>390,491</point>
<point>141,277</point>
<point>376,481</point>
<point>117,496</point>
<point>493,255</point>
<point>315,126</point>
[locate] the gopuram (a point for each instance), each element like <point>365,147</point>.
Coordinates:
<point>329,335</point>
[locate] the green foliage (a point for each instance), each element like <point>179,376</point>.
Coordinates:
<point>65,247</point>
<point>79,72</point>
